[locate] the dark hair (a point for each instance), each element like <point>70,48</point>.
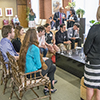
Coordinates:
<point>73,11</point>
<point>61,26</point>
<point>77,24</point>
<point>46,25</point>
<point>5,30</point>
<point>40,29</point>
<point>31,10</point>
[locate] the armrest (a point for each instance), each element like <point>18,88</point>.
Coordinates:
<point>30,72</point>
<point>6,63</point>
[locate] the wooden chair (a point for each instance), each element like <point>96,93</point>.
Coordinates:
<point>6,73</point>
<point>23,83</point>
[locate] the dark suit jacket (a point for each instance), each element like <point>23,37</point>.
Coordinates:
<point>92,43</point>
<point>61,37</point>
<point>56,16</point>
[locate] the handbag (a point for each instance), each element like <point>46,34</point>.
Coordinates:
<point>53,58</point>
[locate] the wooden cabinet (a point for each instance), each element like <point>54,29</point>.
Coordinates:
<point>21,11</point>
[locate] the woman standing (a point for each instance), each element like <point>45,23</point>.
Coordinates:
<point>72,18</point>
<point>92,68</point>
<point>30,59</point>
<point>32,17</point>
<point>19,31</point>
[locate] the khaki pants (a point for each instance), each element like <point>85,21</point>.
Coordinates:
<point>64,47</point>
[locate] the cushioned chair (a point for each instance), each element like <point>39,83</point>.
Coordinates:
<point>20,80</point>
<point>43,22</point>
<point>12,23</point>
<point>83,91</point>
<point>39,22</point>
<point>5,22</point>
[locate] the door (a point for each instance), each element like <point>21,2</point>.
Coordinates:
<point>22,15</point>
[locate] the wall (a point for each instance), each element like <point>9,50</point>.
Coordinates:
<point>45,8</point>
<point>35,7</point>
<point>7,4</point>
<point>41,9</point>
<point>29,3</point>
<point>90,11</point>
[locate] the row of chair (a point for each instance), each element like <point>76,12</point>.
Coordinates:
<point>41,22</point>
<point>20,80</point>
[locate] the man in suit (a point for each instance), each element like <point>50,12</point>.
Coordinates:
<point>62,38</point>
<point>59,17</point>
<point>73,35</point>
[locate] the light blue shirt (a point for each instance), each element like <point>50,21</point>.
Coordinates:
<point>6,46</point>
<point>33,62</point>
<point>15,20</point>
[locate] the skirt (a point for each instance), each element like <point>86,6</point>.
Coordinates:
<point>32,24</point>
<point>92,76</point>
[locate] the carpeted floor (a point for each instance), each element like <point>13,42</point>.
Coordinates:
<point>67,88</point>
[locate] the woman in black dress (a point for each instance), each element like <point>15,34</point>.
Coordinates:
<point>72,18</point>
<point>92,68</point>
<point>17,40</point>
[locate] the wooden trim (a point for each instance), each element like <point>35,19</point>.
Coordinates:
<point>21,4</point>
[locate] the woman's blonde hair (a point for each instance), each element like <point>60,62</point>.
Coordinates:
<point>29,39</point>
<point>98,14</point>
<point>17,31</point>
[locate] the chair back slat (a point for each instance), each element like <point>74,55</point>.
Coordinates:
<point>4,64</point>
<point>15,69</point>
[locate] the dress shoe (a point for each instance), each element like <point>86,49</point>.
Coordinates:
<point>45,91</point>
<point>53,91</point>
<point>55,81</point>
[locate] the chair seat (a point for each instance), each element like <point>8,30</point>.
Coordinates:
<point>33,83</point>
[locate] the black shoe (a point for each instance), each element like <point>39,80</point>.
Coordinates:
<point>45,91</point>
<point>55,81</point>
<point>53,91</point>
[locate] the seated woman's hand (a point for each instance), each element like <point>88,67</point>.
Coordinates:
<point>45,58</point>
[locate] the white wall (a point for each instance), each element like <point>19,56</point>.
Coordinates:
<point>90,11</point>
<point>90,7</point>
<point>35,7</point>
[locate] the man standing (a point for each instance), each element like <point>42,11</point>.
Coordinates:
<point>73,35</point>
<point>62,38</point>
<point>5,43</point>
<point>59,17</point>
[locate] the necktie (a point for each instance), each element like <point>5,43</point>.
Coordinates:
<point>60,19</point>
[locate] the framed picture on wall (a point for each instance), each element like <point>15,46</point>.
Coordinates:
<point>0,11</point>
<point>56,4</point>
<point>9,11</point>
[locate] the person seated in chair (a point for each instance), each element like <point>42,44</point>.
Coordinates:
<point>50,40</point>
<point>52,22</point>
<point>41,38</point>
<point>30,59</point>
<point>62,38</point>
<point>19,31</point>
<point>16,21</point>
<point>73,35</point>
<point>5,43</point>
